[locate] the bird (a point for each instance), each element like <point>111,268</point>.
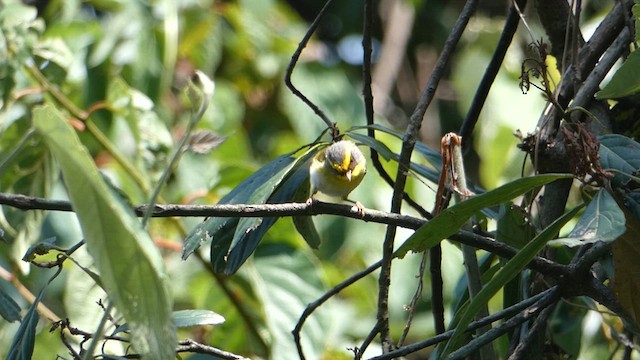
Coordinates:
<point>338,169</point>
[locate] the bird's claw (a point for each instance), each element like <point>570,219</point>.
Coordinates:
<point>359,208</point>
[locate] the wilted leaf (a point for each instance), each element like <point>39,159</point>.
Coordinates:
<point>602,220</point>
<point>204,141</point>
<point>130,265</point>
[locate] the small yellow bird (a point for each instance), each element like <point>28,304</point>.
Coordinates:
<point>337,170</point>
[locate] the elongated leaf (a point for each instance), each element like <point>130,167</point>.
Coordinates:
<point>625,81</point>
<point>511,269</point>
<point>9,310</point>
<point>24,340</point>
<point>129,264</point>
<point>602,220</point>
<point>452,219</point>
<point>304,224</point>
<point>620,153</point>
<point>186,318</point>
<point>250,231</point>
<point>376,145</point>
<point>205,231</point>
<point>434,157</point>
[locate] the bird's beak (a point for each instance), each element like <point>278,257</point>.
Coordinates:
<point>348,174</point>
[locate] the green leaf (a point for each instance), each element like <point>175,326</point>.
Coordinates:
<point>625,81</point>
<point>626,252</point>
<point>602,220</point>
<point>514,227</point>
<point>9,310</point>
<point>452,219</point>
<point>511,269</point>
<point>24,340</point>
<point>376,145</point>
<point>432,156</point>
<point>186,318</point>
<point>304,224</point>
<point>285,282</point>
<point>130,265</point>
<point>250,231</point>
<point>620,153</point>
<point>213,228</point>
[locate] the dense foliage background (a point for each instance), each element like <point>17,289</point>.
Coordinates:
<point>96,97</point>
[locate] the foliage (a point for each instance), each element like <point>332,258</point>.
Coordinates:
<point>105,106</point>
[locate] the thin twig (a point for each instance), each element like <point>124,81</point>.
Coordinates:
<point>539,264</point>
<point>408,144</point>
<point>414,300</point>
<point>481,94</point>
<point>324,298</point>
<point>192,346</point>
<point>504,314</point>
<point>294,61</point>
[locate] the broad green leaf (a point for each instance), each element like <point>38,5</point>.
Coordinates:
<point>286,281</point>
<point>9,310</point>
<point>206,230</point>
<point>511,269</point>
<point>620,153</point>
<point>129,264</point>
<point>626,252</point>
<point>625,81</point>
<point>452,219</point>
<point>602,220</point>
<point>24,339</point>
<point>186,318</point>
<point>251,230</point>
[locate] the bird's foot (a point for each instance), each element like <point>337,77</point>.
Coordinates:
<point>359,208</point>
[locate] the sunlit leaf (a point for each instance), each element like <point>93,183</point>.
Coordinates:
<point>451,220</point>
<point>625,81</point>
<point>186,318</point>
<point>130,265</point>
<point>602,220</point>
